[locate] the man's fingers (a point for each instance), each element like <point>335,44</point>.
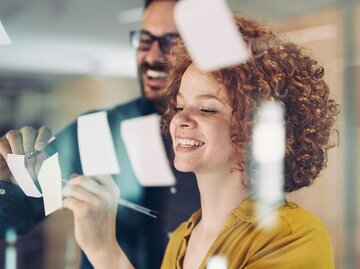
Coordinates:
<point>15,141</point>
<point>4,148</point>
<point>42,139</point>
<point>28,134</point>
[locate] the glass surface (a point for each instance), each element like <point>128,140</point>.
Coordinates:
<point>67,58</point>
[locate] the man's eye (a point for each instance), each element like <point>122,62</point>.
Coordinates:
<point>145,41</point>
<point>207,111</point>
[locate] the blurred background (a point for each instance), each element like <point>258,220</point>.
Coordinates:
<point>67,57</point>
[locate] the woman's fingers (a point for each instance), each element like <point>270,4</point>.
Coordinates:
<point>97,191</point>
<point>103,187</point>
<point>93,201</point>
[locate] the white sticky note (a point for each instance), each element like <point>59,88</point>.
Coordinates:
<point>16,164</point>
<point>269,134</point>
<point>50,180</point>
<point>217,262</point>
<point>268,152</point>
<point>4,38</point>
<point>96,146</point>
<point>210,34</point>
<point>143,142</point>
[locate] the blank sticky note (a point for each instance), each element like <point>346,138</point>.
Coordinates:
<point>50,180</point>
<point>96,146</point>
<point>16,164</point>
<point>4,38</point>
<point>143,142</point>
<point>210,34</point>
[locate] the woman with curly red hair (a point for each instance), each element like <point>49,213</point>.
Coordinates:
<point>211,129</point>
<point>210,118</point>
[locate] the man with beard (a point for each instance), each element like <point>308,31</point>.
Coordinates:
<point>142,238</point>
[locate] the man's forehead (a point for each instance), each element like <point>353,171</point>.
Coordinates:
<point>158,17</point>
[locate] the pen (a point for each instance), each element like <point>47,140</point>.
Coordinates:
<point>35,152</point>
<point>138,208</point>
<point>133,206</point>
<point>123,202</point>
<point>31,154</point>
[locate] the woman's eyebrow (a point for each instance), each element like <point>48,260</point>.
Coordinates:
<point>209,97</point>
<point>202,97</point>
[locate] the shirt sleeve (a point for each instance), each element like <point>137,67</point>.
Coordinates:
<point>18,211</point>
<point>66,144</point>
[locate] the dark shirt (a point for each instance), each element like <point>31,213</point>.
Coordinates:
<point>142,238</point>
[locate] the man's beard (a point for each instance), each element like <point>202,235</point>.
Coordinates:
<point>153,94</point>
<point>158,69</point>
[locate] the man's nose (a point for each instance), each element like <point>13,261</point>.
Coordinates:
<point>154,54</point>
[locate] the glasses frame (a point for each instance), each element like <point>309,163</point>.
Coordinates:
<point>163,41</point>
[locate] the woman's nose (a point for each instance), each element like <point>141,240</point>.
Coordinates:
<point>185,119</point>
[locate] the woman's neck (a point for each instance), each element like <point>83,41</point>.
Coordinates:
<point>220,194</point>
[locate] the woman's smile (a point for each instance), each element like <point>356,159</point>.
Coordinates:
<point>187,144</point>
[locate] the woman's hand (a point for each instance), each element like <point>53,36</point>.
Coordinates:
<point>94,202</point>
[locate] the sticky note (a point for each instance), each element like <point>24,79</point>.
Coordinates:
<point>4,38</point>
<point>217,262</point>
<point>143,142</point>
<point>50,180</point>
<point>269,134</point>
<point>96,146</point>
<point>268,152</point>
<point>16,164</point>
<point>210,34</point>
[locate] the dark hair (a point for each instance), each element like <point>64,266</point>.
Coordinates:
<point>278,70</point>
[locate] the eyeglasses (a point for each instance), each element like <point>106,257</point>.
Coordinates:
<point>142,40</point>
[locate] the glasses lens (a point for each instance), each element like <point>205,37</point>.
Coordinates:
<point>144,41</point>
<point>141,40</point>
<point>134,39</point>
<point>167,41</point>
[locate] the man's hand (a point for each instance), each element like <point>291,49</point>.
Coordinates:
<point>23,141</point>
<point>94,202</point>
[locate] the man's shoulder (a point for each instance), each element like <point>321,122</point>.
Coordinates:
<point>134,108</point>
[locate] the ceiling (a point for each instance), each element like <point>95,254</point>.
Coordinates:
<point>91,37</point>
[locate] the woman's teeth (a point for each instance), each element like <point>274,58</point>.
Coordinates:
<point>189,143</point>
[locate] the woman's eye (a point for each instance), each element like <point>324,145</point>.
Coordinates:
<point>207,111</point>
<point>178,109</point>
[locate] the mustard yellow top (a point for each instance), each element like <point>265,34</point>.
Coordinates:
<point>299,241</point>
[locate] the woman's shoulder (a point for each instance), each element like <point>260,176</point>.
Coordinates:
<point>297,219</point>
<point>300,233</point>
<point>298,239</point>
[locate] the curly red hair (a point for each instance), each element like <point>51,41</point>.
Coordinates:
<point>278,70</point>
